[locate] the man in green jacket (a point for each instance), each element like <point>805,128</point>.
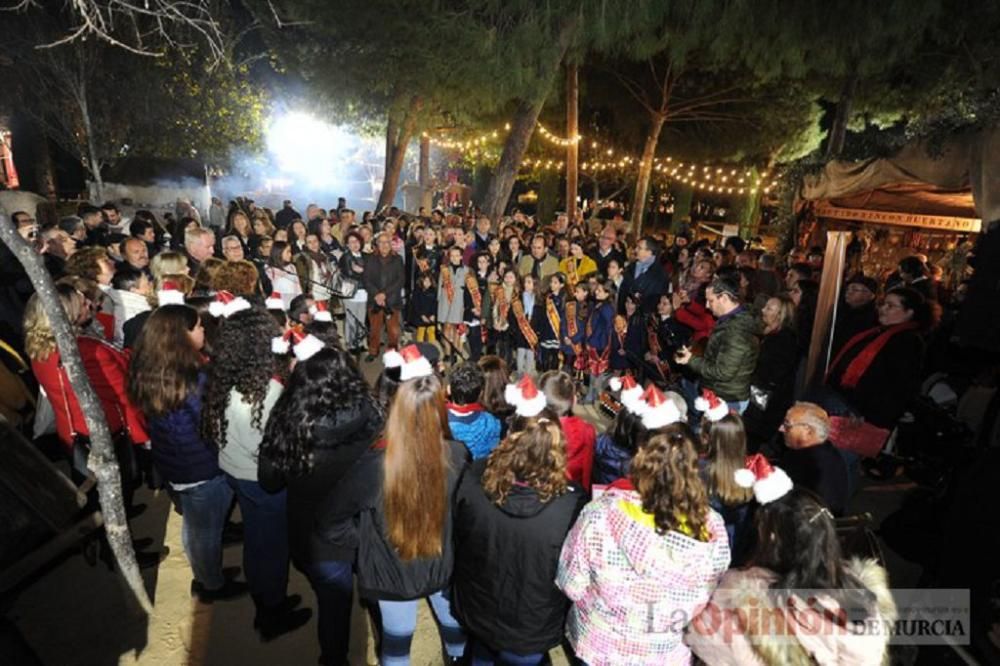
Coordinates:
<point>731,353</point>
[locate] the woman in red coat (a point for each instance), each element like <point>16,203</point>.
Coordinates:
<point>105,365</point>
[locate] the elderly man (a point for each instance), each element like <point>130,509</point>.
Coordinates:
<point>539,264</point>
<point>135,253</point>
<point>731,353</point>
<point>482,236</point>
<point>858,311</point>
<point>810,460</point>
<point>199,245</point>
<point>57,246</point>
<point>606,251</point>
<point>383,279</point>
<point>232,248</point>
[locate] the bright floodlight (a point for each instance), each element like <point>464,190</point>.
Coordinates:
<point>308,147</point>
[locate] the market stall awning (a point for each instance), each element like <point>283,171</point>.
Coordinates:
<point>955,179</point>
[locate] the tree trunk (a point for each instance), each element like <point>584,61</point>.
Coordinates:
<point>656,121</point>
<point>521,127</point>
<point>682,206</point>
<point>45,172</point>
<point>92,161</point>
<point>838,132</point>
<point>103,462</point>
<point>572,128</point>
<point>397,141</point>
<point>424,175</point>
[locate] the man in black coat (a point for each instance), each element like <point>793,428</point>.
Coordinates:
<point>644,278</point>
<point>810,460</point>
<point>383,278</point>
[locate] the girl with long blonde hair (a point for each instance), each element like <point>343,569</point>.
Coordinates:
<point>406,552</point>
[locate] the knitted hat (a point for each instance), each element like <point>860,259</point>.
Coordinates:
<point>525,396</point>
<point>320,311</point>
<point>226,305</point>
<point>630,392</point>
<point>304,345</point>
<point>658,410</point>
<point>768,483</point>
<point>274,302</point>
<point>170,294</point>
<point>410,361</point>
<point>711,406</point>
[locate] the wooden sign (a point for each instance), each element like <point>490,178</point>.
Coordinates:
<point>965,225</point>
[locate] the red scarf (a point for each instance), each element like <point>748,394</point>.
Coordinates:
<point>623,483</point>
<point>857,368</point>
<point>471,408</point>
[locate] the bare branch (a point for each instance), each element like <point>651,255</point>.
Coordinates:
<point>283,24</point>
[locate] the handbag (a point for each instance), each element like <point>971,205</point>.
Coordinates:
<point>343,286</point>
<point>760,397</point>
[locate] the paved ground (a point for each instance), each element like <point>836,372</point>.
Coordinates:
<point>75,614</point>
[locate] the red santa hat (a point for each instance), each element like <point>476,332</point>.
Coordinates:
<point>410,361</point>
<point>630,393</point>
<point>768,483</point>
<point>226,305</point>
<point>274,302</point>
<point>525,397</point>
<point>303,344</point>
<point>170,294</point>
<point>711,406</point>
<point>658,411</point>
<point>320,310</point>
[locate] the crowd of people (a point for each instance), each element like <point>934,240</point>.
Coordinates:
<point>227,363</point>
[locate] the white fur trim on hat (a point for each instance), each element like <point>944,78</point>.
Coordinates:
<point>662,415</point>
<point>308,347</point>
<point>170,297</point>
<point>217,309</point>
<point>615,383</point>
<point>323,315</point>
<point>274,304</point>
<point>279,345</point>
<point>772,487</point>
<point>713,414</point>
<point>531,407</point>
<point>421,367</point>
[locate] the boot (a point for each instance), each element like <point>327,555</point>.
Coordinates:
<point>281,619</point>
<point>231,589</point>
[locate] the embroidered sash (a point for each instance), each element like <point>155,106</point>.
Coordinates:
<point>552,312</point>
<point>522,323</point>
<point>449,288</point>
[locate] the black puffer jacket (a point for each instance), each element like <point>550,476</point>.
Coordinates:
<point>381,574</point>
<point>321,525</point>
<point>505,567</point>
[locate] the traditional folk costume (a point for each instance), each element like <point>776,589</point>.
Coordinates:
<point>526,318</point>
<point>477,298</point>
<point>549,333</point>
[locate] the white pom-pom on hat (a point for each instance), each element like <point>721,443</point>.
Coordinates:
<point>392,359</point>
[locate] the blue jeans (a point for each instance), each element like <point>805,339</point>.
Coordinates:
<point>333,584</point>
<point>265,541</point>
<point>484,656</point>
<point>205,508</point>
<point>738,406</point>
<point>399,621</point>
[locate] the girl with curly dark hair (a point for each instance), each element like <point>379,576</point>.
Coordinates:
<point>166,380</point>
<point>645,552</point>
<point>324,422</point>
<point>239,396</point>
<point>512,513</point>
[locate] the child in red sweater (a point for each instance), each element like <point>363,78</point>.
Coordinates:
<point>560,395</point>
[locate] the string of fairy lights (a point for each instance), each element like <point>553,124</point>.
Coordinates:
<point>703,177</point>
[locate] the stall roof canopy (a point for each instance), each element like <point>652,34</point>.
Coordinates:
<point>956,179</point>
